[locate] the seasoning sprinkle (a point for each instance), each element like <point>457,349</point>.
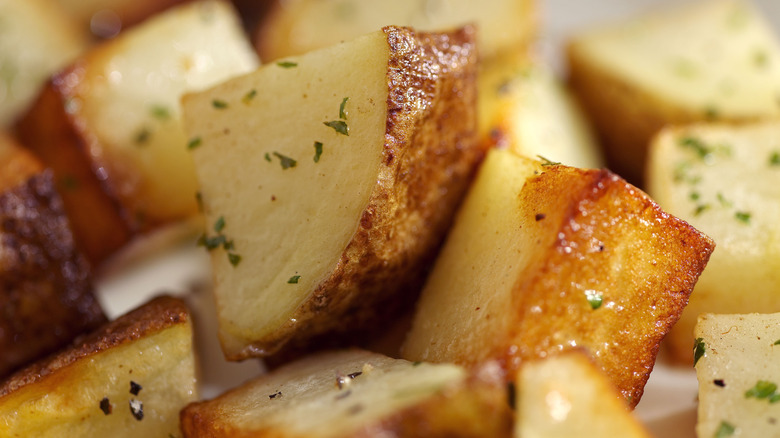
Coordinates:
<point>342,113</point>
<point>317,151</point>
<point>285,161</point>
<point>595,298</point>
<point>160,112</point>
<point>774,159</point>
<point>294,279</point>
<point>105,406</point>
<point>275,395</point>
<point>219,104</point>
<point>339,126</point>
<point>135,388</point>
<point>546,162</point>
<point>249,96</point>
<point>699,349</point>
<point>742,216</point>
<point>234,259</point>
<point>287,64</point>
<point>219,224</point>
<point>137,409</point>
<point>194,142</point>
<point>725,430</point>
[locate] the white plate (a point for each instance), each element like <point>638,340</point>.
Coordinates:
<point>668,406</point>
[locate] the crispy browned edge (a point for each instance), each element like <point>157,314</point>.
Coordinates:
<point>657,292</point>
<point>58,138</point>
<point>477,408</point>
<point>158,314</point>
<point>17,164</point>
<point>46,294</point>
<point>429,159</point>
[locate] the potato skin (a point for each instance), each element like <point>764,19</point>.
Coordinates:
<point>99,224</point>
<point>46,294</point>
<point>431,154</point>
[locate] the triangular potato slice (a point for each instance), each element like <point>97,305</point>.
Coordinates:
<point>567,395</point>
<point>358,394</point>
<point>328,182</point>
<point>109,124</point>
<point>544,257</point>
<point>129,378</point>
<point>294,27</point>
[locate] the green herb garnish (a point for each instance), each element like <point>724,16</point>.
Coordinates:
<point>194,142</point>
<point>339,126</point>
<point>724,430</point>
<point>317,151</point>
<point>342,113</point>
<point>742,216</point>
<point>595,298</point>
<point>211,242</point>
<point>286,161</point>
<point>701,208</point>
<point>219,225</point>
<point>774,159</point>
<point>287,64</point>
<point>546,162</point>
<point>142,136</point>
<point>699,350</point>
<point>764,389</point>
<point>249,96</point>
<point>267,157</point>
<point>219,104</point>
<point>696,145</point>
<point>160,112</point>
<point>234,259</point>
<point>294,279</point>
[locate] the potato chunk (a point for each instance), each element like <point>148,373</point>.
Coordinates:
<point>109,124</point>
<point>357,394</point>
<point>725,180</point>
<point>36,39</point>
<point>704,61</point>
<point>546,257</point>
<point>46,295</point>
<point>328,182</point>
<point>129,378</point>
<point>567,395</point>
<point>299,26</point>
<point>523,106</point>
<point>736,365</point>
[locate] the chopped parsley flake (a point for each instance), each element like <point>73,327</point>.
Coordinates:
<point>219,104</point>
<point>764,389</point>
<point>339,126</point>
<point>194,142</point>
<point>234,259</point>
<point>267,157</point>
<point>774,159</point>
<point>699,350</point>
<point>219,225</point>
<point>725,430</point>
<point>160,112</point>
<point>294,279</point>
<point>701,208</point>
<point>723,201</point>
<point>274,395</point>
<point>595,298</point>
<point>286,161</point>
<point>711,113</point>
<point>105,406</point>
<point>137,409</point>
<point>546,162</point>
<point>142,136</point>
<point>317,151</point>
<point>287,64</point>
<point>135,388</point>
<point>212,242</point>
<point>694,196</point>
<point>777,342</point>
<point>698,146</point>
<point>249,96</point>
<point>342,113</point>
<point>742,216</point>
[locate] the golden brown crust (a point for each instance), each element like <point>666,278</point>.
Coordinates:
<point>618,242</point>
<point>430,157</point>
<point>160,313</point>
<point>99,224</point>
<point>46,296</point>
<point>17,165</point>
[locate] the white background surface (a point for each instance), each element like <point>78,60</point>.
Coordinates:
<point>668,406</point>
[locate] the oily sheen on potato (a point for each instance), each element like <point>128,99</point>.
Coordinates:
<point>357,394</point>
<point>109,124</point>
<point>544,257</point>
<point>128,378</point>
<point>328,181</point>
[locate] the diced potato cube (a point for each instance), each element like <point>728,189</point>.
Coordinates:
<point>704,61</point>
<point>547,257</point>
<point>736,364</point>
<point>724,180</point>
<point>358,394</point>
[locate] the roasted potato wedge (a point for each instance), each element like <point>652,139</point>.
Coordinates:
<point>46,294</point>
<point>568,395</point>
<point>36,39</point>
<point>299,26</point>
<point>724,180</point>
<point>109,125</point>
<point>328,181</point>
<point>545,257</point>
<point>129,378</point>
<point>358,394</point>
<point>736,364</point>
<point>704,61</point>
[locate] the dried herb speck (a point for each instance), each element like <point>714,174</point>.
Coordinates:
<point>137,409</point>
<point>105,406</point>
<point>135,388</point>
